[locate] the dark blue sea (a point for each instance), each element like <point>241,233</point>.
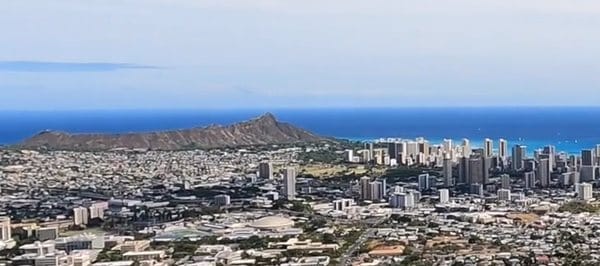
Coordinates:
<point>569,128</point>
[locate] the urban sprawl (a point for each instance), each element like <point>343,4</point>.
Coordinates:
<point>385,202</point>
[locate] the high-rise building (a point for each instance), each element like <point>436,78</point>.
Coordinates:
<point>570,178</point>
<point>503,149</point>
<point>342,204</point>
<point>587,158</point>
<point>424,182</point>
<point>466,148</point>
<point>488,148</point>
<point>349,155</point>
<point>476,189</point>
<point>550,152</point>
<point>376,190</point>
<point>447,172</point>
<point>447,148</point>
<point>463,170</point>
<point>589,173</point>
<point>365,191</point>
<point>530,180</point>
<point>444,195</point>
<point>504,194</point>
<point>585,191</point>
<point>5,229</point>
<point>505,181</point>
<point>289,183</point>
<point>265,170</point>
<point>402,200</point>
<point>479,170</point>
<point>519,153</point>
<point>97,209</point>
<point>392,150</point>
<point>80,216</point>
<point>543,172</point>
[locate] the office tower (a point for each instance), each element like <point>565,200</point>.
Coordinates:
<point>584,191</point>
<point>505,181</point>
<point>475,170</point>
<point>423,146</point>
<point>416,196</point>
<point>503,149</point>
<point>223,200</point>
<point>349,155</point>
<point>530,180</point>
<point>466,148</point>
<point>519,153</point>
<point>447,148</point>
<point>80,216</point>
<point>5,228</point>
<point>479,170</point>
<point>570,178</point>
<point>402,200</point>
<point>587,158</point>
<point>488,148</point>
<point>463,170</point>
<point>444,195</point>
<point>543,172</point>
<point>265,170</point>
<point>550,152</point>
<point>504,194</point>
<point>476,189</point>
<point>424,182</point>
<point>392,150</point>
<point>376,190</point>
<point>589,173</point>
<point>447,172</point>
<point>365,191</point>
<point>289,183</point>
<point>402,150</point>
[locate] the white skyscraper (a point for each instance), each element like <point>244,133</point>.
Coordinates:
<point>80,216</point>
<point>488,148</point>
<point>466,148</point>
<point>5,228</point>
<point>444,195</point>
<point>289,183</point>
<point>448,148</point>
<point>585,191</point>
<point>503,149</point>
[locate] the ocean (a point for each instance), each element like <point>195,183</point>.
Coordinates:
<point>570,129</point>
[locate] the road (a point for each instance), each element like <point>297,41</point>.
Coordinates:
<point>347,256</point>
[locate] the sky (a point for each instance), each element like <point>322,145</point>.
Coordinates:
<point>180,54</point>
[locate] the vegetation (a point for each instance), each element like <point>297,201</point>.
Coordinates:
<point>404,174</point>
<point>578,207</point>
<point>321,156</point>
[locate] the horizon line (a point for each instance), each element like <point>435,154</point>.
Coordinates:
<point>268,109</point>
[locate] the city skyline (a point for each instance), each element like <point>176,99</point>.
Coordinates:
<point>71,55</point>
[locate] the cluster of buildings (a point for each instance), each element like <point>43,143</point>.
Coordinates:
<point>450,203</point>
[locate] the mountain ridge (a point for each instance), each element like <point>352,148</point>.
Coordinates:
<point>262,130</point>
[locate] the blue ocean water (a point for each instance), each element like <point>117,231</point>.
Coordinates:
<point>569,128</point>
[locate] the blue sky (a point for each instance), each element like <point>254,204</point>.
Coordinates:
<point>127,54</point>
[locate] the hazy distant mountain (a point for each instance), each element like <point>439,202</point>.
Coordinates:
<point>259,131</point>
